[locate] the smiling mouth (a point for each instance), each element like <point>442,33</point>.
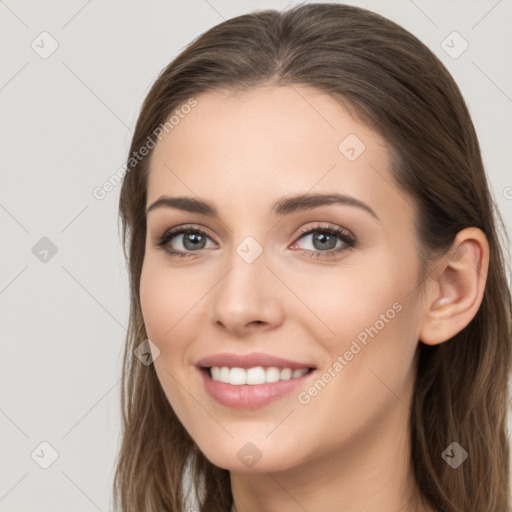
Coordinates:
<point>254,376</point>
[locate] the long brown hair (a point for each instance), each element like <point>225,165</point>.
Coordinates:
<point>392,82</point>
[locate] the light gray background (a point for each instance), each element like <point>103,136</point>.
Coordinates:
<point>66,124</point>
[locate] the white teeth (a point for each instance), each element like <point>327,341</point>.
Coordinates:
<point>286,374</point>
<point>224,374</point>
<point>299,373</point>
<point>272,374</point>
<point>256,375</point>
<point>215,372</point>
<point>253,376</point>
<point>237,376</point>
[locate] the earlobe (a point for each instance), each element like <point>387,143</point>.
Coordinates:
<point>458,288</point>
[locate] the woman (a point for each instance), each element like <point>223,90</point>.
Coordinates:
<point>341,339</point>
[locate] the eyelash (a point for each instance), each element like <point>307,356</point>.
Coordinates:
<point>343,235</point>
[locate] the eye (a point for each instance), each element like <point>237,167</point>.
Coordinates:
<point>192,240</point>
<point>324,240</point>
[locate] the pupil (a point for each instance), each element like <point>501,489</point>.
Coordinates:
<point>322,238</point>
<point>193,238</point>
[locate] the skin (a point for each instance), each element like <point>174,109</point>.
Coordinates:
<point>348,447</point>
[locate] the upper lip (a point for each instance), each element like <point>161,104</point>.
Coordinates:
<point>249,361</point>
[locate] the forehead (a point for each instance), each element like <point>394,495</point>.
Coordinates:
<point>254,147</point>
<point>290,121</point>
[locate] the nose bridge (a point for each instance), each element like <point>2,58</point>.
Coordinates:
<point>246,279</point>
<point>246,293</point>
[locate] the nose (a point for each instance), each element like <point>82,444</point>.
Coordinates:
<point>247,298</point>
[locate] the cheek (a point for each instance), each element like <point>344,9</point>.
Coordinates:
<point>352,299</point>
<point>154,301</point>
<point>165,301</point>
<point>369,369</point>
<point>368,316</point>
<point>166,297</point>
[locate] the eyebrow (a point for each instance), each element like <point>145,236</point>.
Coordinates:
<point>285,206</point>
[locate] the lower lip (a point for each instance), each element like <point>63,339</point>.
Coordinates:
<point>247,396</point>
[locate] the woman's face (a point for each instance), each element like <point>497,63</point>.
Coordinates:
<point>326,285</point>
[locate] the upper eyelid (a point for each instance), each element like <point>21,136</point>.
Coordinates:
<point>178,230</point>
<point>326,227</point>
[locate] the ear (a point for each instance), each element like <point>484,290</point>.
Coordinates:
<point>457,289</point>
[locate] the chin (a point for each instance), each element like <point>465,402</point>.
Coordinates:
<point>248,457</point>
